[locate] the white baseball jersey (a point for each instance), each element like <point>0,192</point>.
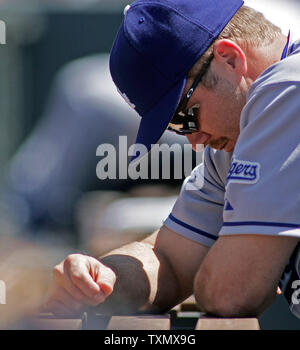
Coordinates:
<point>255,190</point>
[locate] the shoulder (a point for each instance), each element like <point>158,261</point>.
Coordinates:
<point>276,91</point>
<point>284,71</point>
<point>216,165</point>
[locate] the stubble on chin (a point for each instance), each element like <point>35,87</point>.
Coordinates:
<point>218,143</point>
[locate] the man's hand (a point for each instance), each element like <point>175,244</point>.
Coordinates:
<point>79,281</point>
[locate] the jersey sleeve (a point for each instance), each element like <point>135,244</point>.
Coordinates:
<point>263,182</point>
<point>197,213</point>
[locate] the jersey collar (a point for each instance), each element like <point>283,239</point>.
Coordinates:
<point>289,47</point>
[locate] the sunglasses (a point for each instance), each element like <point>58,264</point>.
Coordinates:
<point>184,121</point>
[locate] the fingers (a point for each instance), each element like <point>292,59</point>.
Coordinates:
<point>61,278</point>
<point>106,279</point>
<point>80,270</point>
<point>79,281</point>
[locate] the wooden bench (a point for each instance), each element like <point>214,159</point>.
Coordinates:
<point>185,316</point>
<point>182,320</point>
<point>210,323</point>
<point>140,322</point>
<point>50,322</point>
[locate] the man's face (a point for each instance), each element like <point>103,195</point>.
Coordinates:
<point>218,115</point>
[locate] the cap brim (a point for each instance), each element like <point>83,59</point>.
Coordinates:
<point>154,123</point>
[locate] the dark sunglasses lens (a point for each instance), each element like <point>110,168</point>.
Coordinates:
<point>184,123</point>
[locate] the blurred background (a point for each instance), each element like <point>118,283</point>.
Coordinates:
<point>57,104</point>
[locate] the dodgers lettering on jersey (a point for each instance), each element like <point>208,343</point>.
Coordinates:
<point>242,171</point>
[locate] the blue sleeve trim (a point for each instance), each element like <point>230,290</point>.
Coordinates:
<point>189,227</point>
<point>260,223</point>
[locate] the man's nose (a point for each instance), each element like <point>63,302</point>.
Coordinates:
<point>198,138</point>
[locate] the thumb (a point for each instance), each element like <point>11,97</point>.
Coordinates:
<point>106,280</point>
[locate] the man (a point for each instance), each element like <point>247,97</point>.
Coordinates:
<point>221,74</point>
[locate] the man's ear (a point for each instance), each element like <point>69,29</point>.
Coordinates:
<point>231,56</point>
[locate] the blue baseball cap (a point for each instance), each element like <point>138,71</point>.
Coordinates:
<point>157,44</point>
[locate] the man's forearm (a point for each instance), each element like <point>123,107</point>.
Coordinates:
<point>135,284</point>
<point>145,281</point>
<point>149,276</point>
